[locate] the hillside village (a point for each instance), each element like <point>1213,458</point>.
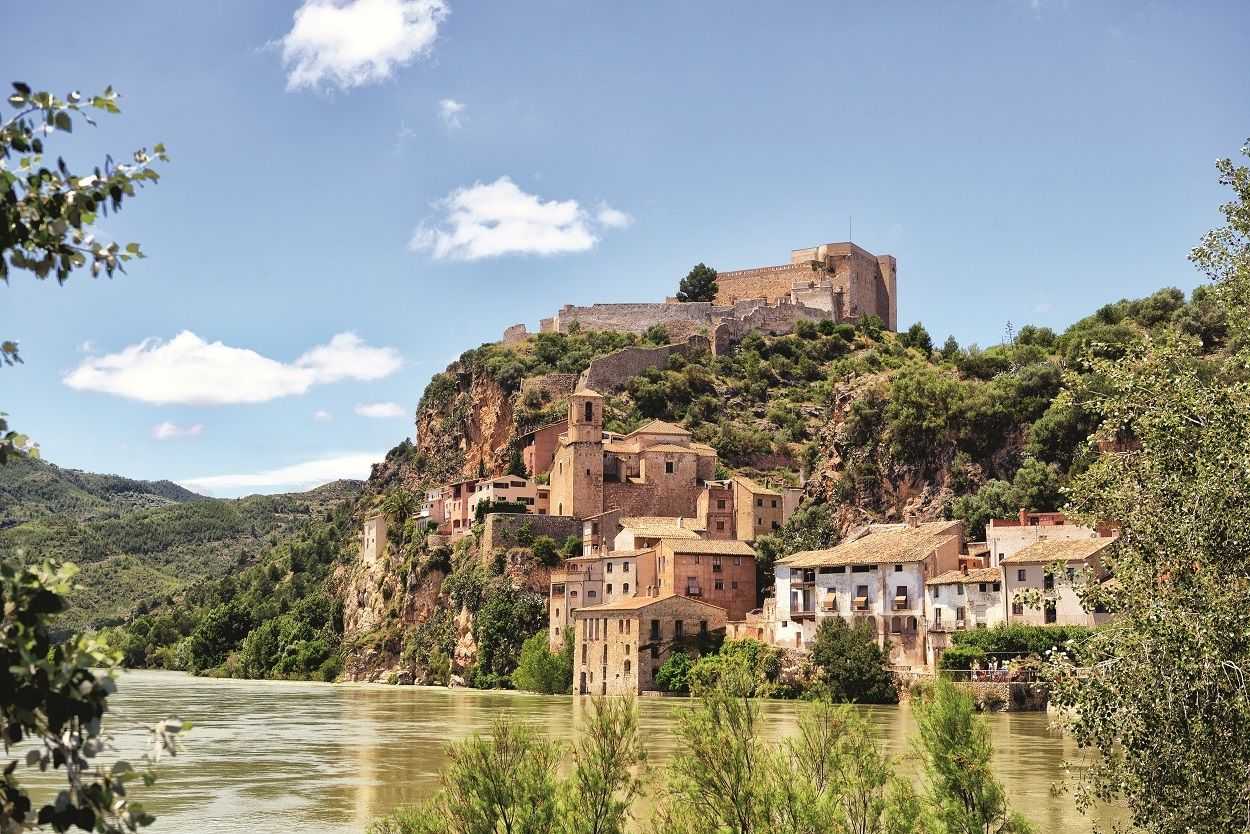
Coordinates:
<point>661,536</point>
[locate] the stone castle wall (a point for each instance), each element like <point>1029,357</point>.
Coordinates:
<point>500,530</point>
<point>610,373</point>
<point>772,283</point>
<point>634,318</point>
<point>551,386</point>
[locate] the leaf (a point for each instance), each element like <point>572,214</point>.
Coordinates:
<point>63,122</point>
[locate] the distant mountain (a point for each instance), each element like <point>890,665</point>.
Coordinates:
<point>139,542</point>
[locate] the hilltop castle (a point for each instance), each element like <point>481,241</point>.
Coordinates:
<point>838,281</point>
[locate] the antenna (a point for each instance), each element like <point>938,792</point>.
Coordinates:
<point>850,228</point>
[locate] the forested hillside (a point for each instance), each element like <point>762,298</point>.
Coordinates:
<point>139,542</point>
<point>885,424</point>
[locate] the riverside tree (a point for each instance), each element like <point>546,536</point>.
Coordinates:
<point>855,668</point>
<point>1160,698</point>
<point>698,285</point>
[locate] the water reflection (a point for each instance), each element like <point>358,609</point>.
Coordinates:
<point>274,757</point>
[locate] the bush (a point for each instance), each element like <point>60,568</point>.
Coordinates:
<point>855,667</point>
<point>672,676</point>
<point>540,670</point>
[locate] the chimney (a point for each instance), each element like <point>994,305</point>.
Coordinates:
<point>681,522</point>
<point>1024,517</point>
<point>913,520</point>
<point>964,567</point>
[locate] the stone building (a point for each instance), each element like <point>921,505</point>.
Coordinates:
<point>1005,536</point>
<point>621,646</point>
<point>1029,569</point>
<point>961,599</point>
<point>457,518</point>
<point>841,278</point>
<point>373,538</point>
<point>719,572</point>
<point>877,578</point>
<point>538,447</point>
<point>653,470</point>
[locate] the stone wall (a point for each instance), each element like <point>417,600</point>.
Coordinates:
<point>515,334</point>
<point>551,386</point>
<point>610,373</point>
<point>500,530</point>
<point>770,282</point>
<point>772,319</point>
<point>633,318</point>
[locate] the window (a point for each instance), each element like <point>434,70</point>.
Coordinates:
<point>959,589</point>
<point>774,503</point>
<point>605,653</point>
<point>1048,582</point>
<point>838,569</point>
<point>716,564</point>
<point>1051,614</point>
<point>759,522</point>
<point>655,652</point>
<point>935,591</point>
<point>590,412</point>
<point>1071,574</point>
<point>583,652</point>
<point>720,525</point>
<point>628,625</point>
<point>620,626</point>
<point>679,629</point>
<point>625,588</point>
<point>981,587</point>
<point>1017,609</point>
<point>702,628</point>
<point>624,567</point>
<point>961,613</point>
<point>860,568</point>
<point>759,502</point>
<point>898,568</point>
<point>733,585</point>
<point>573,594</point>
<point>1022,575</point>
<point>655,629</point>
<point>776,525</point>
<point>998,586</point>
<point>592,594</point>
<point>609,588</point>
<point>668,467</point>
<point>609,569</point>
<point>720,503</point>
<point>627,666</point>
<point>719,584</point>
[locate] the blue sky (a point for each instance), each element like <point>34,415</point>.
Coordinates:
<point>359,191</point>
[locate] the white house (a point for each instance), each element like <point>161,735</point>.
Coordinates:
<point>1030,570</point>
<point>962,599</point>
<point>1005,536</point>
<point>877,577</point>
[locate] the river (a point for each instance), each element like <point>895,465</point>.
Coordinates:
<point>267,757</point>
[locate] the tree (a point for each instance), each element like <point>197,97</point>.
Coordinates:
<point>53,698</point>
<point>46,212</point>
<point>1160,697</point>
<point>953,743</point>
<point>698,285</point>
<point>541,670</point>
<point>950,349</point>
<point>855,668</point>
<point>917,337</point>
<point>673,673</point>
<point>596,798</point>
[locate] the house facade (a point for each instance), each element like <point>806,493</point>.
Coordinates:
<point>1005,536</point>
<point>876,578</point>
<point>621,646</point>
<point>1029,572</point>
<point>535,497</point>
<point>966,598</point>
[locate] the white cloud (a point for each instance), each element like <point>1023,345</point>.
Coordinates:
<point>449,110</point>
<point>349,43</point>
<point>86,346</point>
<point>287,478</point>
<point>611,218</point>
<point>486,220</point>
<point>190,371</point>
<point>169,431</point>
<point>322,416</point>
<point>380,410</point>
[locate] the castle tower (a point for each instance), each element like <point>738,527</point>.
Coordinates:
<point>585,416</point>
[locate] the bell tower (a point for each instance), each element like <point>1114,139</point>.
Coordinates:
<point>585,416</point>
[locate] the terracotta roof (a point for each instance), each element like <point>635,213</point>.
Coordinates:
<point>626,554</point>
<point>587,392</point>
<point>636,603</point>
<point>754,488</point>
<point>618,446</point>
<point>973,576</point>
<point>978,548</point>
<point>659,427</point>
<point>903,543</point>
<point>670,448</point>
<point>703,448</point>
<point>718,547</point>
<point>1045,551</point>
<point>657,527</point>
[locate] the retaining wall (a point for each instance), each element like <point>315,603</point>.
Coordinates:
<point>500,530</point>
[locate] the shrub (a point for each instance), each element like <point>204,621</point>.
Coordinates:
<point>672,676</point>
<point>543,671</point>
<point>855,667</point>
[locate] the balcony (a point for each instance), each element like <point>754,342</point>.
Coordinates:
<point>800,586</point>
<point>901,603</point>
<point>802,614</point>
<point>694,591</point>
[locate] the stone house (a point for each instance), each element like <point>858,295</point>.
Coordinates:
<point>621,646</point>
<point>739,508</point>
<point>1005,536</point>
<point>961,599</point>
<point>575,584</point>
<point>373,538</point>
<point>654,470</point>
<point>719,572</point>
<point>641,532</point>
<point>1029,569</point>
<point>599,532</point>
<point>458,518</point>
<point>877,578</point>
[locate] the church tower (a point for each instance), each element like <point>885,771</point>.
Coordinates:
<point>577,472</point>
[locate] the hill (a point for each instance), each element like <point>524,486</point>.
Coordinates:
<point>886,424</point>
<point>139,542</point>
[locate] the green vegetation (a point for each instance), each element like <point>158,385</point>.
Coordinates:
<point>673,673</point>
<point>542,670</point>
<point>854,667</point>
<point>1159,700</point>
<point>510,781</point>
<point>758,664</point>
<point>140,543</point>
<point>698,285</point>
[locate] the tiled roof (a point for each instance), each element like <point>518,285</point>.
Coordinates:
<point>660,427</point>
<point>718,547</point>
<point>703,448</point>
<point>636,603</point>
<point>587,392</point>
<point>1045,551</point>
<point>753,487</point>
<point>903,543</point>
<point>657,527</point>
<point>670,448</point>
<point>973,576</point>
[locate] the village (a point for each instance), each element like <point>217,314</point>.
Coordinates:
<point>667,547</point>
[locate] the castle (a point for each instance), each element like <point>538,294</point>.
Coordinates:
<point>841,282</point>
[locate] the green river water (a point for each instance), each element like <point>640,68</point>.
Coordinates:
<point>324,759</point>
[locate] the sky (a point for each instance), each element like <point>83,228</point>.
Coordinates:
<point>360,190</point>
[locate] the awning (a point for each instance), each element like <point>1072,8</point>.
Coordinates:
<point>861,602</point>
